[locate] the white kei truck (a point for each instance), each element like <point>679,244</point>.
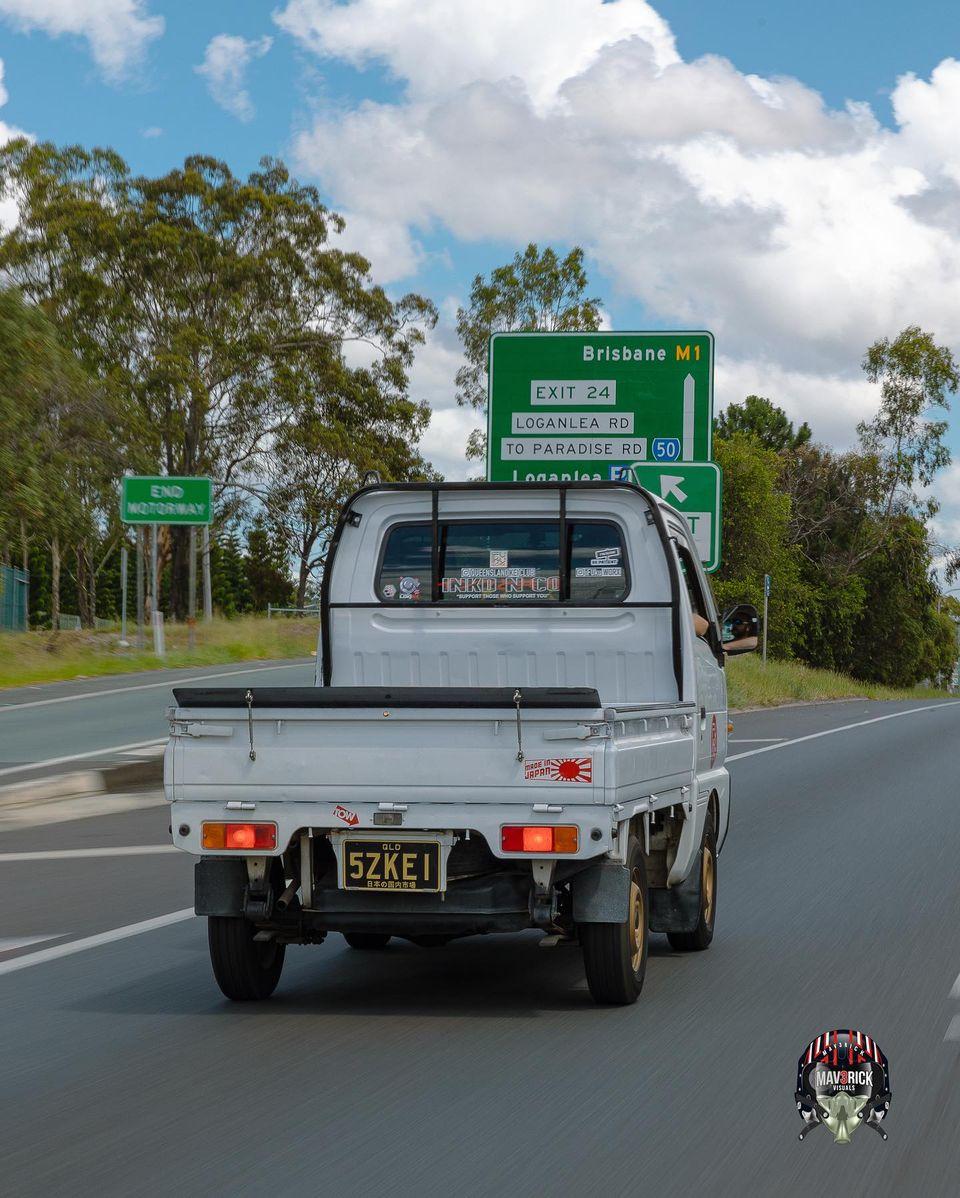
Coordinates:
<point>519,721</point>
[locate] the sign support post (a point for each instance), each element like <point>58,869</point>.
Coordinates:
<point>192,589</point>
<point>766,608</point>
<point>207,590</point>
<point>156,616</point>
<point>123,597</point>
<point>139,552</point>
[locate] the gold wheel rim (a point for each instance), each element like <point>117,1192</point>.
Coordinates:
<point>638,925</point>
<point>708,875</point>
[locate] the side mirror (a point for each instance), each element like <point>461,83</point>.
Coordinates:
<point>740,630</point>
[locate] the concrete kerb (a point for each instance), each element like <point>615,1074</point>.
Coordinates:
<point>125,776</point>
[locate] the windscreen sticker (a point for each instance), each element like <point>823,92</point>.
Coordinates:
<point>493,585</point>
<point>409,587</point>
<point>559,769</point>
<point>348,817</point>
<point>598,572</point>
<point>498,572</point>
<point>606,556</point>
<point>499,558</point>
<point>389,591</point>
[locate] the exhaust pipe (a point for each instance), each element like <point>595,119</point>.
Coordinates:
<point>289,895</point>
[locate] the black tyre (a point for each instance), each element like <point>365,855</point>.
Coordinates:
<point>367,940</point>
<point>615,954</point>
<point>701,936</point>
<point>246,970</point>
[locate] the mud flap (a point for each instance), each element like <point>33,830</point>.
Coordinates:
<point>220,884</point>
<point>676,908</point>
<point>601,894</point>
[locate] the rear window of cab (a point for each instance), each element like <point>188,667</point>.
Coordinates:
<point>504,561</point>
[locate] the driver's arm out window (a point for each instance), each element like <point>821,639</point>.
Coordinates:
<point>701,622</point>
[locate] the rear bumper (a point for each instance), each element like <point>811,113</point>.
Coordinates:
<point>495,903</point>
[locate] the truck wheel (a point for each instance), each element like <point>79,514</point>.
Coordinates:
<point>615,954</point>
<point>367,940</point>
<point>246,970</point>
<point>701,936</point>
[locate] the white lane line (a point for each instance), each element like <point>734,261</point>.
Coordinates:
<point>895,715</point>
<point>106,751</point>
<point>753,740</point>
<point>148,686</point>
<point>9,944</point>
<point>133,850</point>
<point>955,988</point>
<point>79,946</point>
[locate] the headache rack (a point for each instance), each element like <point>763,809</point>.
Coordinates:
<point>435,490</point>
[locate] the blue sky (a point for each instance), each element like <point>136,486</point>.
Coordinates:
<point>706,192</point>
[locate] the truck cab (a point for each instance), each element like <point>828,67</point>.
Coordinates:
<point>519,722</point>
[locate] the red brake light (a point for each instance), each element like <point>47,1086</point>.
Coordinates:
<point>539,838</point>
<point>243,837</point>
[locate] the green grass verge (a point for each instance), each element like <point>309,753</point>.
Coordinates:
<point>32,657</point>
<point>750,683</point>
<point>27,657</point>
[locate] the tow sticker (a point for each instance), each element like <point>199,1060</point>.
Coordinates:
<point>348,817</point>
<point>499,558</point>
<point>559,769</point>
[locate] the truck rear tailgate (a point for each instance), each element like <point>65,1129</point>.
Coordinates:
<point>370,744</point>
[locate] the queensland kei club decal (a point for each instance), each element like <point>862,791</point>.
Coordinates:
<point>843,1082</point>
<point>559,769</point>
<point>348,817</point>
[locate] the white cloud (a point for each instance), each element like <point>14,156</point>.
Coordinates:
<point>833,404</point>
<point>117,30</point>
<point>9,211</point>
<point>436,45</point>
<point>225,66</point>
<point>152,131</point>
<point>797,232</point>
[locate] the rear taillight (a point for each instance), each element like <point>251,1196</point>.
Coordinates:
<point>248,838</point>
<point>539,838</point>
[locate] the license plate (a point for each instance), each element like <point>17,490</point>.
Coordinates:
<point>391,865</point>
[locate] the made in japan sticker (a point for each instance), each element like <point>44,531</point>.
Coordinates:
<point>559,769</point>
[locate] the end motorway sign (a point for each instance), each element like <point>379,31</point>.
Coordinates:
<point>567,406</point>
<point>165,500</point>
<point>695,489</point>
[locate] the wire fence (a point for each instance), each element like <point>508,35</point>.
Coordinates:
<point>311,610</point>
<point>14,599</point>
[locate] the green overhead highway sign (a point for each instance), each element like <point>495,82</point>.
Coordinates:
<point>566,406</point>
<point>695,489</point>
<point>163,500</point>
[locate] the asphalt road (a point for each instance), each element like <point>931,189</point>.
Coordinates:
<point>94,716</point>
<point>484,1068</point>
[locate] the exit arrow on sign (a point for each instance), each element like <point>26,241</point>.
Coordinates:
<point>695,490</point>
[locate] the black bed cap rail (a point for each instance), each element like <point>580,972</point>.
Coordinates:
<point>531,697</point>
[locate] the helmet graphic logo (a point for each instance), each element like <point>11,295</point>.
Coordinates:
<point>843,1082</point>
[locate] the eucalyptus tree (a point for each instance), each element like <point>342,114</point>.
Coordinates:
<point>538,291</point>
<point>200,298</point>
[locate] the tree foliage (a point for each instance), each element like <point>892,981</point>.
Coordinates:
<point>762,420</point>
<point>212,310</point>
<point>537,291</point>
<point>845,536</point>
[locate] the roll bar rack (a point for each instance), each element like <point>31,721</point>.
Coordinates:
<point>436,489</point>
